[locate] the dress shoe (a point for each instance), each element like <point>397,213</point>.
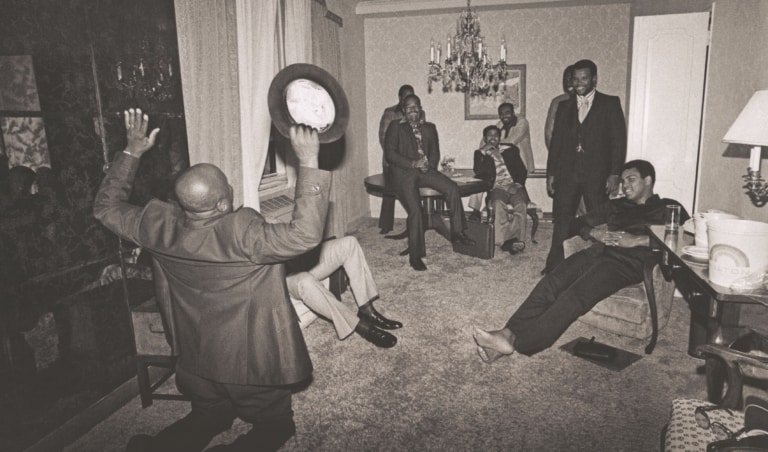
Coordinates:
<point>374,317</point>
<point>513,246</point>
<point>462,238</point>
<point>418,264</point>
<point>475,215</point>
<point>385,230</point>
<point>375,336</point>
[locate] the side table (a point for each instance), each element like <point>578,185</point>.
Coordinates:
<point>719,315</point>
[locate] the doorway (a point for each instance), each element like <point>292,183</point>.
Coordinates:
<point>669,56</point>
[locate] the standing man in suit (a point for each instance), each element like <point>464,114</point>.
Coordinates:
<point>412,149</point>
<point>589,145</point>
<point>220,285</point>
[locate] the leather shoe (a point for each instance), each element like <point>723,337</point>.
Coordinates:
<point>374,317</point>
<point>462,238</point>
<point>513,246</point>
<point>375,336</point>
<point>418,264</point>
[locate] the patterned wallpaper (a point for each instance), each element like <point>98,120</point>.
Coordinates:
<point>546,40</point>
<point>55,36</point>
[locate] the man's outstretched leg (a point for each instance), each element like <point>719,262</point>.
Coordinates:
<point>492,345</point>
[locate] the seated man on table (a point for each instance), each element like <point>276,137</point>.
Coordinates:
<point>368,322</point>
<point>583,279</point>
<point>413,152</point>
<point>502,166</point>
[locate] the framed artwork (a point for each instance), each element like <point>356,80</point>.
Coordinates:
<point>486,107</point>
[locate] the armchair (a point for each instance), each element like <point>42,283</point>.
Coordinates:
<point>639,310</point>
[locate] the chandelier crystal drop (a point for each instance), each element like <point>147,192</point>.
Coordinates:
<point>467,67</point>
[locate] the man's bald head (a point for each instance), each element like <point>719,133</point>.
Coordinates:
<point>204,188</point>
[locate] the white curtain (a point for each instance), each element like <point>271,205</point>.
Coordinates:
<point>206,31</point>
<point>230,50</point>
<point>326,53</point>
<point>268,38</point>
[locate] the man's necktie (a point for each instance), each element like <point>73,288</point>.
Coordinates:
<point>583,109</point>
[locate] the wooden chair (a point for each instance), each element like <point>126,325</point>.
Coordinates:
<point>152,345</point>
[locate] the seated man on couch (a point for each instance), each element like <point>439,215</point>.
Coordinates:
<point>367,322</point>
<point>502,165</point>
<point>576,285</point>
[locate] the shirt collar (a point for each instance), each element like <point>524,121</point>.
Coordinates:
<point>587,97</point>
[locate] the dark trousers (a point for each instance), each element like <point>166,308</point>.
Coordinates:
<point>570,291</point>
<point>406,183</point>
<point>216,405</point>
<point>568,193</point>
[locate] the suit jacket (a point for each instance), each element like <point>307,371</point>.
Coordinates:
<point>485,166</point>
<point>401,149</point>
<point>603,137</point>
<point>220,282</point>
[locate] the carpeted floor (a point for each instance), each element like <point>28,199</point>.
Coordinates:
<point>432,393</point>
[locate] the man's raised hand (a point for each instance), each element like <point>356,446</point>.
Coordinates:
<point>136,125</point>
<point>306,145</point>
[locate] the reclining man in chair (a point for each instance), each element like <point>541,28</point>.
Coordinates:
<point>578,283</point>
<point>503,166</point>
<point>368,322</point>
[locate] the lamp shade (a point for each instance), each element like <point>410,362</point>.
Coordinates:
<point>751,127</point>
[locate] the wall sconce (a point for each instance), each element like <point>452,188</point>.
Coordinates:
<point>751,128</point>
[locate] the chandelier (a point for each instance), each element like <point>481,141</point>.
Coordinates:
<point>467,67</point>
<point>149,75</point>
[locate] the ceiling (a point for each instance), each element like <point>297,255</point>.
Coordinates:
<point>394,6</point>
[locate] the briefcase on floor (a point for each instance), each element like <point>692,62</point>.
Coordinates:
<point>482,234</point>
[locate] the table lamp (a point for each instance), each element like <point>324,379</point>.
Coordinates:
<point>751,128</point>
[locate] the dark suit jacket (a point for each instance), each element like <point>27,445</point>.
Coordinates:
<point>400,147</point>
<point>485,166</point>
<point>220,282</point>
<point>603,137</point>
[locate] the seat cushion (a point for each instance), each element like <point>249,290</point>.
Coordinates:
<point>148,329</point>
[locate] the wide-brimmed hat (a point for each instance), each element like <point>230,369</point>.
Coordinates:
<point>306,94</point>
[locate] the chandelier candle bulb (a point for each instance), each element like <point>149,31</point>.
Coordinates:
<point>431,51</point>
<point>439,51</point>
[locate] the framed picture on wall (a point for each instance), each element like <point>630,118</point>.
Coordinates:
<point>486,107</point>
